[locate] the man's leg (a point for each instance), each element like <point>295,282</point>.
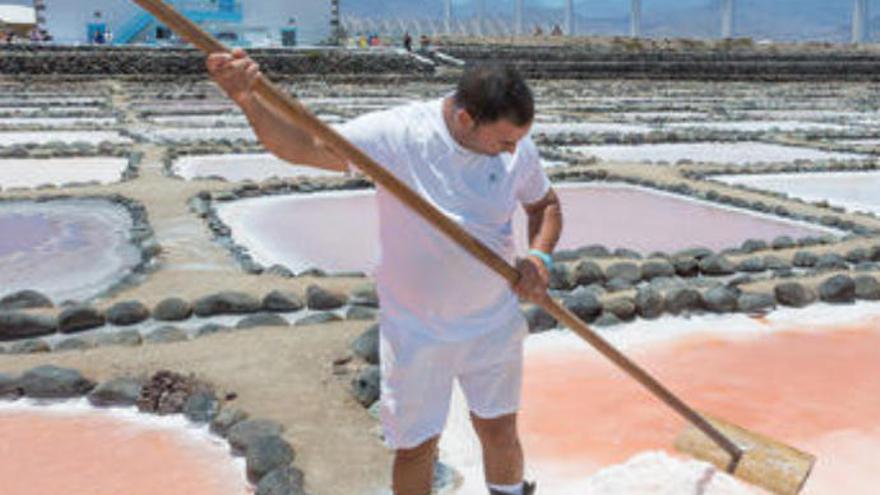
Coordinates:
<point>414,469</point>
<point>502,451</point>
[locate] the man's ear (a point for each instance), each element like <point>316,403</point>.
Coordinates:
<point>464,119</point>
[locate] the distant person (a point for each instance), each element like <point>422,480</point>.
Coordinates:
<point>407,41</point>
<point>424,42</point>
<point>557,30</point>
<point>99,37</point>
<point>362,42</point>
<point>537,31</point>
<point>35,36</point>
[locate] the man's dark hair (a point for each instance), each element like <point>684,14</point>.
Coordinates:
<point>490,92</point>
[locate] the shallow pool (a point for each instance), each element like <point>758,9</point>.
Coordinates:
<point>239,167</point>
<point>34,172</point>
<point>338,231</point>
<point>66,249</point>
<point>736,153</point>
<point>74,449</point>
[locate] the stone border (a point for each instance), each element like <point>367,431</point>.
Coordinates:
<point>141,235</point>
<point>26,329</point>
<point>268,457</point>
<point>65,150</point>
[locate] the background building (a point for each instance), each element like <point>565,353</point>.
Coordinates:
<point>244,22</point>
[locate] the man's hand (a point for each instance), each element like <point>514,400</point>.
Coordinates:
<point>534,279</point>
<point>236,73</point>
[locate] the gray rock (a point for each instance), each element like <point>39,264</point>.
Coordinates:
<point>266,454</point>
<point>698,252</point>
<point>607,320</point>
<point>783,242</point>
<point>626,271</point>
<point>75,344</point>
<point>627,254</point>
<point>15,325</point>
<point>172,309</point>
<point>262,320</point>
<point>122,392</point>
<point>684,299</point>
<point>282,302</point>
<point>285,480</point>
<point>831,261</point>
<point>657,268</point>
<point>243,433</point>
<point>127,313</point>
<point>776,263</point>
<point>9,387</point>
<point>857,255</point>
<point>125,338</point>
<point>227,303</point>
<point>867,288</point>
<point>622,307</point>
<point>755,302</point>
<point>587,273</point>
<point>317,319</point>
<point>794,294</point>
<point>80,318</point>
<point>561,277</point>
<point>52,382</point>
<point>752,264</point>
<point>165,335</point>
<point>721,299</point>
<point>361,313</point>
<point>649,303</point>
<point>686,266</point>
<point>365,295</point>
<point>280,271</point>
<point>25,299</point>
<point>365,386</point>
<point>752,245</point>
<point>583,304</point>
<point>320,299</point>
<point>618,284</point>
<point>874,252</point>
<point>838,289</point>
<point>201,407</point>
<point>538,319</point>
<point>805,259</point>
<point>716,266</point>
<point>366,346</point>
<point>594,251</point>
<point>30,346</point>
<point>211,329</point>
<point>225,419</point>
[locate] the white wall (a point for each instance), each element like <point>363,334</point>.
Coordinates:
<point>67,19</point>
<point>312,17</point>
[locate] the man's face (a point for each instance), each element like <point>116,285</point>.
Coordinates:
<point>493,138</point>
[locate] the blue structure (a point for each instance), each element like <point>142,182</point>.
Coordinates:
<point>201,11</point>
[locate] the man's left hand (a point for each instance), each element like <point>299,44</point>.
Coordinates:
<point>534,279</point>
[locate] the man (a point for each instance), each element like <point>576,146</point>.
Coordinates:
<point>444,316</point>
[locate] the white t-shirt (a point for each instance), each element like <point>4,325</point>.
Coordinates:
<point>425,281</point>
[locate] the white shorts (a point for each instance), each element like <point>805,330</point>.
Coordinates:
<point>418,374</point>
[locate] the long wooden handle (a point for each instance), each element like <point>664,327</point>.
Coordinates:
<point>339,145</point>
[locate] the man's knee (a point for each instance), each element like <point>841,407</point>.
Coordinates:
<point>500,431</point>
<point>426,451</point>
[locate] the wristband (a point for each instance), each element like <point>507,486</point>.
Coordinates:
<point>544,257</point>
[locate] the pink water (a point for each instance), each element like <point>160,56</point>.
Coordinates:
<point>67,249</point>
<point>339,232</point>
<point>92,454</point>
<point>815,391</point>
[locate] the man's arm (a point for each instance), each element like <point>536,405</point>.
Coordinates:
<point>236,74</point>
<point>545,227</point>
<point>545,222</point>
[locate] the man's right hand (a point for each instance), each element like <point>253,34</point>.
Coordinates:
<point>236,73</point>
